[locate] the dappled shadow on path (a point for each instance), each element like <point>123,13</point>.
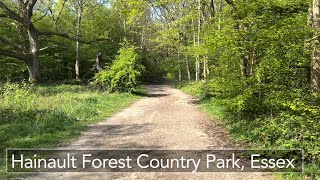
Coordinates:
<point>125,129</point>
<point>193,101</point>
<point>150,95</point>
<point>153,91</point>
<point>110,131</point>
<point>102,135</point>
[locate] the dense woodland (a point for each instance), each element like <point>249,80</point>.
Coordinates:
<point>258,60</point>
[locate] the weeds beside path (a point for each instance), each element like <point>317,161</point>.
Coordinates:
<point>165,119</point>
<point>264,131</point>
<point>47,115</point>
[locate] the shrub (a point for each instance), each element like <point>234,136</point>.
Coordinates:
<point>198,89</point>
<point>125,71</point>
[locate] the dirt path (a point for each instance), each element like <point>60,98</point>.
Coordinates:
<point>166,119</point>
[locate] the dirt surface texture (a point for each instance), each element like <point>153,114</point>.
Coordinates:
<point>164,119</point>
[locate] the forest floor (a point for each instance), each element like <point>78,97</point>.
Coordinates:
<point>165,119</point>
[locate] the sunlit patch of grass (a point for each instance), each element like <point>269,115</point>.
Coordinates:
<point>48,115</point>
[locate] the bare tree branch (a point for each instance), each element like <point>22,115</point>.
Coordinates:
<point>30,7</point>
<point>41,17</point>
<point>22,37</point>
<point>13,54</point>
<point>22,2</point>
<point>64,35</point>
<point>50,33</point>
<point>4,16</point>
<point>11,43</point>
<point>45,48</point>
<point>59,14</point>
<point>10,13</point>
<point>33,3</point>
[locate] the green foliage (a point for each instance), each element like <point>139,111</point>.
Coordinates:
<point>271,105</point>
<point>43,115</point>
<point>124,73</point>
<point>257,52</point>
<point>292,125</point>
<point>154,71</point>
<point>57,55</point>
<point>199,89</point>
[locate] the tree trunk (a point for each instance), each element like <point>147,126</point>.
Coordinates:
<point>34,71</point>
<point>198,42</point>
<point>180,73</point>
<point>194,44</point>
<point>245,66</point>
<point>204,69</point>
<point>198,70</point>
<point>99,63</point>
<point>212,9</point>
<point>220,14</point>
<point>253,63</point>
<point>179,66</point>
<point>315,63</point>
<point>188,68</point>
<point>77,65</point>
<point>33,63</point>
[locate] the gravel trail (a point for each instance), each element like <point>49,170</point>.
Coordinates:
<point>165,119</point>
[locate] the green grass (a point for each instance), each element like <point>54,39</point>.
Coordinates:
<point>45,116</point>
<point>252,132</point>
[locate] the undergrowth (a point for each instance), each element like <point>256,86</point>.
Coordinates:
<point>292,125</point>
<point>40,116</point>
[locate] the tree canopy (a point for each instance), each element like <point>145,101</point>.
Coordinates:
<point>261,58</point>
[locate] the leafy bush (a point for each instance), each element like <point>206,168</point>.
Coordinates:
<point>277,118</point>
<point>124,73</point>
<point>198,89</point>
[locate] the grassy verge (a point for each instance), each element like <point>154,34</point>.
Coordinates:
<point>49,115</point>
<point>259,132</point>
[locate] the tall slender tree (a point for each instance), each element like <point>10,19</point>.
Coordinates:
<point>78,45</point>
<point>315,63</point>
